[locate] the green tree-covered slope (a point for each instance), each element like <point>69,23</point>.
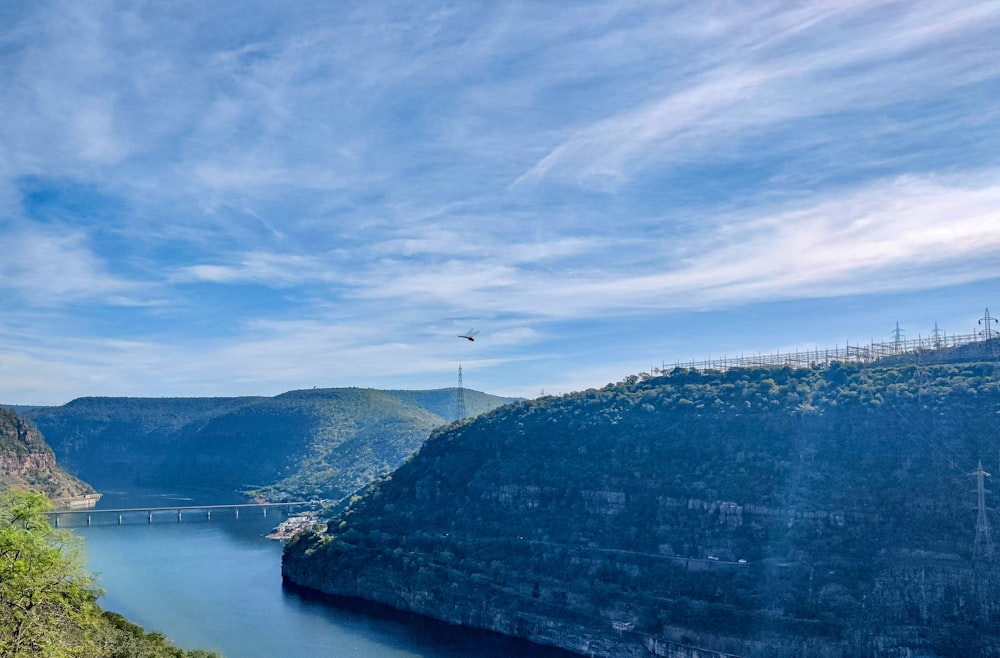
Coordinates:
<point>318,443</point>
<point>754,512</point>
<point>48,602</point>
<point>27,461</point>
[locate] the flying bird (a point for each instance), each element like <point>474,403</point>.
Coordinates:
<point>469,335</point>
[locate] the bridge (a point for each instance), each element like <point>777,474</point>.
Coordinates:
<point>206,511</point>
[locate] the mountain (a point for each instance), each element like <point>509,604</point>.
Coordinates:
<point>27,462</point>
<point>828,512</point>
<point>317,443</point>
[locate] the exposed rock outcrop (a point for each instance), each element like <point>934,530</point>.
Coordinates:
<point>27,462</point>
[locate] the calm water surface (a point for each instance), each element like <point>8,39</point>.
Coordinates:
<point>217,585</point>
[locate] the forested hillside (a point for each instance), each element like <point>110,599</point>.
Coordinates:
<point>822,512</point>
<point>318,443</point>
<point>27,462</point>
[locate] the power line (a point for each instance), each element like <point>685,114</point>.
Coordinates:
<point>861,353</point>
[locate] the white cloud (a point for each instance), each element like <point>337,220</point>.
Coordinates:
<point>754,87</point>
<point>55,267</point>
<point>359,160</point>
<point>901,234</point>
<point>896,234</point>
<point>266,268</point>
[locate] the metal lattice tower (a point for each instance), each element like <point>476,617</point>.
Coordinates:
<point>983,548</point>
<point>988,332</point>
<point>460,412</point>
<point>937,336</point>
<point>898,338</point>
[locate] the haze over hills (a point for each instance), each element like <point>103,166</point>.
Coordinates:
<point>317,443</point>
<point>757,512</point>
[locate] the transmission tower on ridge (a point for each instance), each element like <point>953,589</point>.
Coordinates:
<point>460,412</point>
<point>937,336</point>
<point>983,548</point>
<point>898,336</point>
<point>988,332</point>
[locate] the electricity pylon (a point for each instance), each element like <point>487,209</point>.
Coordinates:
<point>988,332</point>
<point>983,547</point>
<point>460,412</point>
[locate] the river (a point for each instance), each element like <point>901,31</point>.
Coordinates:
<point>216,584</point>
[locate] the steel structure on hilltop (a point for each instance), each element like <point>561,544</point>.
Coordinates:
<point>936,336</point>
<point>859,353</point>
<point>988,332</point>
<point>460,412</point>
<point>898,337</point>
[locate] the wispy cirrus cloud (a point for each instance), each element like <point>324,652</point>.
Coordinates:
<point>260,267</point>
<point>892,234</point>
<point>231,179</point>
<point>58,267</point>
<point>763,81</point>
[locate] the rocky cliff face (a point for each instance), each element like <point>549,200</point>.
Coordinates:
<point>27,462</point>
<point>758,513</point>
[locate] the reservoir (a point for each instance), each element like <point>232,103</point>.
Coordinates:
<point>216,584</point>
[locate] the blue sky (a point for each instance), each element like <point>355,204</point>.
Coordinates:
<point>243,198</point>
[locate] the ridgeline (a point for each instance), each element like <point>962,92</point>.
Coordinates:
<point>828,512</point>
<point>308,444</point>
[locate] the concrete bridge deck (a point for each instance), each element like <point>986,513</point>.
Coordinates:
<point>90,513</point>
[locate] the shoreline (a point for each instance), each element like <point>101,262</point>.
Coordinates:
<point>86,501</point>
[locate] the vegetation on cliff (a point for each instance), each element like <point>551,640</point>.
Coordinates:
<point>48,602</point>
<point>318,443</point>
<point>27,461</point>
<point>828,512</point>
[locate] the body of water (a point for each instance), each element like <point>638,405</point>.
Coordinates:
<point>216,584</point>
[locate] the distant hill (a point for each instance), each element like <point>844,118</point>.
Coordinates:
<point>22,409</point>
<point>816,512</point>
<point>317,443</point>
<point>27,461</point>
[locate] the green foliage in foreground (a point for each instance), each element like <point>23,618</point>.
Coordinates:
<point>48,602</point>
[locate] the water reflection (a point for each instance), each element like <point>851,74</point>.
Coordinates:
<point>423,637</point>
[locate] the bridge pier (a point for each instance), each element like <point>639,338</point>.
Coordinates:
<point>283,509</point>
